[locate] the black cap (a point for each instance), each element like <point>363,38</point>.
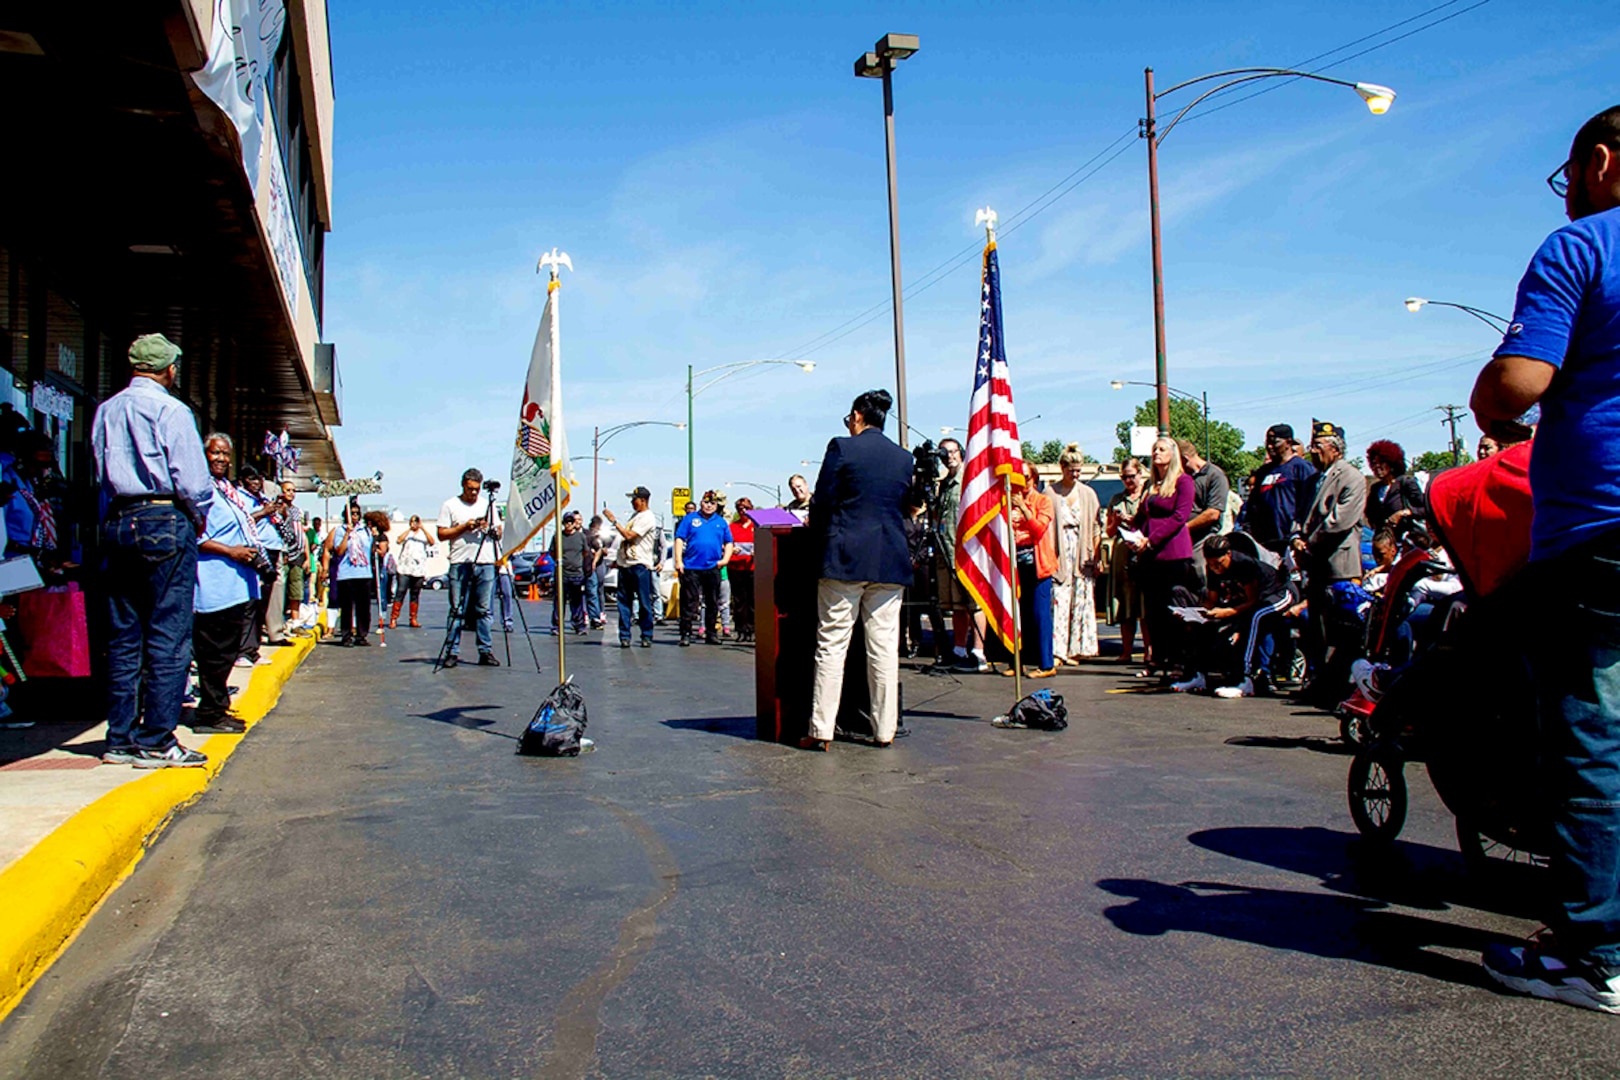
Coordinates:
<point>639,493</point>
<point>1280,431</point>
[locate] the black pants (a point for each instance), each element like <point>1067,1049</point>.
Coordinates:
<point>354,597</point>
<point>742,601</point>
<point>1158,579</point>
<point>704,583</point>
<point>216,642</point>
<point>573,594</point>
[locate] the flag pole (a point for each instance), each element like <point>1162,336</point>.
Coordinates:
<point>556,485</point>
<point>1018,610</point>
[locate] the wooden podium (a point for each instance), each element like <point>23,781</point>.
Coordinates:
<point>787,566</point>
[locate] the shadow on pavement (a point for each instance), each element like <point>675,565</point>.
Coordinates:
<point>1321,744</point>
<point>1405,873</point>
<point>738,727</point>
<point>1334,927</point>
<point>457,717</point>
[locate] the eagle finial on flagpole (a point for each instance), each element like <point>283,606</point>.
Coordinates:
<point>556,260</point>
<point>986,217</point>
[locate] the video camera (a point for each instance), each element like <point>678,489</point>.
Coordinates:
<point>927,462</point>
<point>492,486</point>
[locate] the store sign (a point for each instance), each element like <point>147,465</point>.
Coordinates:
<point>49,400</point>
<point>67,361</point>
<point>336,489</point>
<point>1142,440</point>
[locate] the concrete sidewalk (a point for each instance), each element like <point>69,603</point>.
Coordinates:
<point>71,827</point>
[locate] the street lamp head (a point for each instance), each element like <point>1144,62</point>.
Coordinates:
<point>1413,303</point>
<point>681,426</point>
<point>1378,98</point>
<point>1115,384</point>
<point>806,365</point>
<point>896,46</point>
<point>869,66</point>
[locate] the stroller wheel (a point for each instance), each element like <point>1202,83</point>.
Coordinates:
<point>1377,791</point>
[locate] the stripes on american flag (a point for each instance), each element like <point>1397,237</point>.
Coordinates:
<point>534,442</point>
<point>984,541</point>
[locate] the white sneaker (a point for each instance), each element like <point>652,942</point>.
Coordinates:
<point>1188,685</point>
<point>1241,690</point>
<point>242,661</point>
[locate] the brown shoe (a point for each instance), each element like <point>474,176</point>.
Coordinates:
<point>393,617</point>
<point>414,623</point>
<point>809,743</point>
<point>1041,673</point>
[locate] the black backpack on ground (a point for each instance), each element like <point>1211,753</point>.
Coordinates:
<point>558,724</point>
<point>1042,710</point>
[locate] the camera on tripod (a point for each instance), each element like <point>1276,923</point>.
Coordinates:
<point>927,463</point>
<point>492,486</point>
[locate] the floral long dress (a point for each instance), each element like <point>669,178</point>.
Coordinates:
<point>1074,586</point>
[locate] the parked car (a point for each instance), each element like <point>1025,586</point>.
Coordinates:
<point>523,567</point>
<point>438,582</point>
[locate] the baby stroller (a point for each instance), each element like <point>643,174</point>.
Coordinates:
<point>1407,617</point>
<point>1466,707</point>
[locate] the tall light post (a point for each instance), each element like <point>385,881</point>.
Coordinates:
<point>599,438</point>
<point>880,64</point>
<point>805,366</point>
<point>1378,99</point>
<point>1164,427</point>
<point>1496,322</point>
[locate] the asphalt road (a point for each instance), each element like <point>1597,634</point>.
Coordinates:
<point>377,886</point>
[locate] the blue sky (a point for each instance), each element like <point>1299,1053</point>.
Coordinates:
<point>716,172</point>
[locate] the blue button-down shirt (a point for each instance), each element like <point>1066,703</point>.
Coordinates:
<point>223,582</point>
<point>145,443</point>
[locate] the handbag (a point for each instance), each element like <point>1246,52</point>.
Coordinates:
<point>56,637</point>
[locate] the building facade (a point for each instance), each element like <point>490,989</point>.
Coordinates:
<point>169,169</point>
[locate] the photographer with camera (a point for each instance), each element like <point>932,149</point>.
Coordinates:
<point>231,567</point>
<point>467,523</point>
<point>858,515</point>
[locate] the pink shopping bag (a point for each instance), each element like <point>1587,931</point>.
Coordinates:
<point>56,638</point>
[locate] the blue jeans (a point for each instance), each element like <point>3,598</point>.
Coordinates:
<point>1036,597</point>
<point>593,597</point>
<point>475,582</point>
<point>635,586</point>
<point>151,552</point>
<point>1577,674</point>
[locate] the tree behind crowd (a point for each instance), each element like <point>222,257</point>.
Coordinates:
<point>1226,447</point>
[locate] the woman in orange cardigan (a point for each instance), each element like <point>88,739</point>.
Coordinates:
<point>1032,514</point>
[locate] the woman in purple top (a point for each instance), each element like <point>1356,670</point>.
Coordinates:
<point>1164,553</point>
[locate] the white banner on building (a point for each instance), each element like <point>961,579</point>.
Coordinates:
<point>285,249</point>
<point>542,475</point>
<point>241,52</point>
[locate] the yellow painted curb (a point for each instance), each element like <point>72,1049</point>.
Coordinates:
<point>47,895</point>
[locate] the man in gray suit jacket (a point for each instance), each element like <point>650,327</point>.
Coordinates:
<point>1330,548</point>
<point>858,515</point>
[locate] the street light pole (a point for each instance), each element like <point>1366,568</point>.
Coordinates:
<point>894,249</point>
<point>1160,372</point>
<point>690,472</point>
<point>596,449</point>
<point>806,366</point>
<point>880,63</point>
<point>1378,99</point>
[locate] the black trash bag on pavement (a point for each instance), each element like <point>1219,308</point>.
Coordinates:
<point>1042,710</point>
<point>558,727</point>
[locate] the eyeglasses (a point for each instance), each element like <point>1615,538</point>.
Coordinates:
<point>849,418</point>
<point>1559,180</point>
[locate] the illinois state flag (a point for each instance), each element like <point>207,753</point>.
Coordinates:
<point>542,476</point>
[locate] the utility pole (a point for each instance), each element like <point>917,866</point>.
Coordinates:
<point>1452,412</point>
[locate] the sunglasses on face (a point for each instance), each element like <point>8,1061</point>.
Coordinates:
<point>1559,180</point>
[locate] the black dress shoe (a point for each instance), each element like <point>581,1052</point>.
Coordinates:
<point>219,725</point>
<point>711,639</point>
<point>686,643</point>
<point>488,660</point>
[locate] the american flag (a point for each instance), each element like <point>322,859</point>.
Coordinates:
<point>984,541</point>
<point>534,441</point>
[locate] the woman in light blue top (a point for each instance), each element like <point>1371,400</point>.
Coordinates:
<point>351,553</point>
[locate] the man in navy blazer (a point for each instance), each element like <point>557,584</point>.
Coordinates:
<point>858,514</point>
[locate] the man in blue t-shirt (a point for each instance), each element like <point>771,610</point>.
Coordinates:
<point>1283,487</point>
<point>702,547</point>
<point>1562,352</point>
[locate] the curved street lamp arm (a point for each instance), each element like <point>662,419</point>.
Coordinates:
<point>1260,72</point>
<point>1154,386</point>
<point>732,369</point>
<point>1496,322</point>
<point>1264,73</point>
<point>612,431</point>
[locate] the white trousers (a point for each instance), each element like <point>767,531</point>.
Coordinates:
<point>878,607</point>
